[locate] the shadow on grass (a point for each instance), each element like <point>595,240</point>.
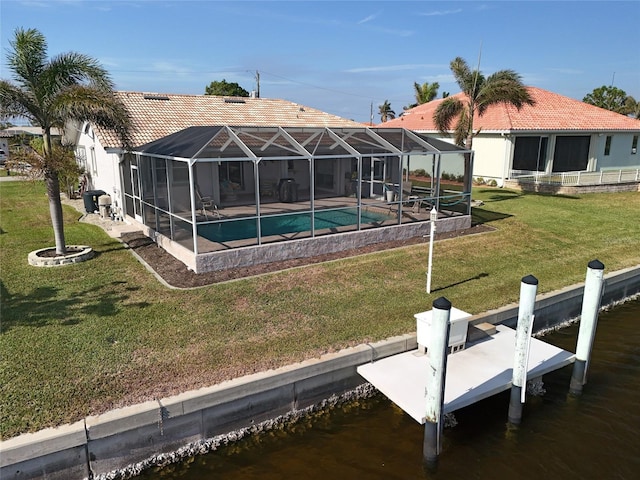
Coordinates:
<point>480,216</point>
<point>477,277</point>
<point>501,195</point>
<point>49,305</point>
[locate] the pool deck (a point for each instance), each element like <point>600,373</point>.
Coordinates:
<point>483,369</point>
<point>409,215</point>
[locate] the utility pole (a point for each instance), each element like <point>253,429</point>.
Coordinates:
<point>257,83</point>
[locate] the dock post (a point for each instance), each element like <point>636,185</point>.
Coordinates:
<point>528,289</point>
<point>593,288</point>
<point>438,350</point>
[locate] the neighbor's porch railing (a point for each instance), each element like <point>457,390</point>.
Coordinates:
<point>567,179</point>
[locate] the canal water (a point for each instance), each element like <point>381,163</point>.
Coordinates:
<point>594,436</point>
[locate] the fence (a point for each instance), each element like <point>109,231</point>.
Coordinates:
<point>565,179</point>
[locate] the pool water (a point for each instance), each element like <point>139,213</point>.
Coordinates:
<point>288,223</point>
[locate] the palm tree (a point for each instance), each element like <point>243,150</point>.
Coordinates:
<point>52,92</point>
<point>504,86</point>
<point>385,111</point>
<point>424,93</point>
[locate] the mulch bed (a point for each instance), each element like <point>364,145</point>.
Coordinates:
<point>176,274</point>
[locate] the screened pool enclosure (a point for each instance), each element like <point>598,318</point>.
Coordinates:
<point>206,190</point>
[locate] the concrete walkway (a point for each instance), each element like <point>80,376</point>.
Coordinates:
<point>114,228</point>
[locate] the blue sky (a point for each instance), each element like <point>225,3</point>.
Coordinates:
<point>339,56</point>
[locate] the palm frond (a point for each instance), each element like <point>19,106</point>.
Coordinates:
<point>97,105</point>
<point>16,102</point>
<point>27,57</point>
<point>503,86</point>
<point>463,128</point>
<point>466,78</point>
<point>446,113</point>
<point>75,68</point>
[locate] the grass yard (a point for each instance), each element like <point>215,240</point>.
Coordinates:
<point>82,339</point>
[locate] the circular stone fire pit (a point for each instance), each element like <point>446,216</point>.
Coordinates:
<point>47,257</point>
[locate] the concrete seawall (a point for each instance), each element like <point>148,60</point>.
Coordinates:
<point>101,444</point>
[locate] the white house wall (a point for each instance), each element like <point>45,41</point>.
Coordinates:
<point>620,155</point>
<point>103,169</point>
<point>492,156</point>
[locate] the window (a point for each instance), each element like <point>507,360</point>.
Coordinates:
<point>88,131</point>
<point>530,154</point>
<point>231,173</point>
<point>634,145</point>
<point>607,145</point>
<point>81,156</point>
<point>571,153</point>
<point>94,166</point>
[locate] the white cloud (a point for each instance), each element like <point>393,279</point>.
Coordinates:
<point>439,13</point>
<point>368,19</point>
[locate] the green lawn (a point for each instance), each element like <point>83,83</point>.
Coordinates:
<point>82,339</point>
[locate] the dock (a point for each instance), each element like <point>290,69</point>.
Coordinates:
<point>482,369</point>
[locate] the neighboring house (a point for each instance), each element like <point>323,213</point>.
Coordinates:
<point>555,136</point>
<point>13,138</point>
<point>210,176</point>
<point>22,135</point>
<point>26,134</point>
<point>4,147</point>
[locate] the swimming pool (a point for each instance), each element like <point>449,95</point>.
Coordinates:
<point>289,223</point>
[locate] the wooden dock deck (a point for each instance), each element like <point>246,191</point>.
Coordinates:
<point>484,368</point>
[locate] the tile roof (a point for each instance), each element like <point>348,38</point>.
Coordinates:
<point>157,115</point>
<point>552,112</point>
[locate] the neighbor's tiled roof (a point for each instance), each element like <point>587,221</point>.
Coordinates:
<point>157,115</point>
<point>551,112</point>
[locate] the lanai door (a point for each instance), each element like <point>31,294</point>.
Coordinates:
<point>135,192</point>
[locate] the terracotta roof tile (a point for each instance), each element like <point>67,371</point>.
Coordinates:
<point>552,112</point>
<point>157,115</point>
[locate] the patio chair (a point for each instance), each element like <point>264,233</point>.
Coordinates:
<point>268,187</point>
<point>410,198</point>
<point>206,202</point>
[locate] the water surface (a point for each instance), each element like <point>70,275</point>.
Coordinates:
<point>594,436</point>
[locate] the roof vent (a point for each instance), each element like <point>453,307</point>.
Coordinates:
<point>234,100</point>
<point>152,96</point>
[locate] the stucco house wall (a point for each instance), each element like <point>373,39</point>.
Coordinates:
<point>491,151</point>
<point>102,168</point>
<point>621,154</point>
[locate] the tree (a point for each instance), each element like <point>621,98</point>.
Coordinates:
<point>52,92</point>
<point>386,113</point>
<point>633,107</point>
<point>611,98</point>
<point>424,93</point>
<point>480,92</point>
<point>225,89</point>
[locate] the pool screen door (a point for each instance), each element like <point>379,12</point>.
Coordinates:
<point>135,193</point>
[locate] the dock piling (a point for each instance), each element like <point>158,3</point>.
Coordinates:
<point>438,350</point>
<point>528,289</point>
<point>593,288</point>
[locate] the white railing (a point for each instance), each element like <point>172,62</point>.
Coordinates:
<point>567,179</point>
